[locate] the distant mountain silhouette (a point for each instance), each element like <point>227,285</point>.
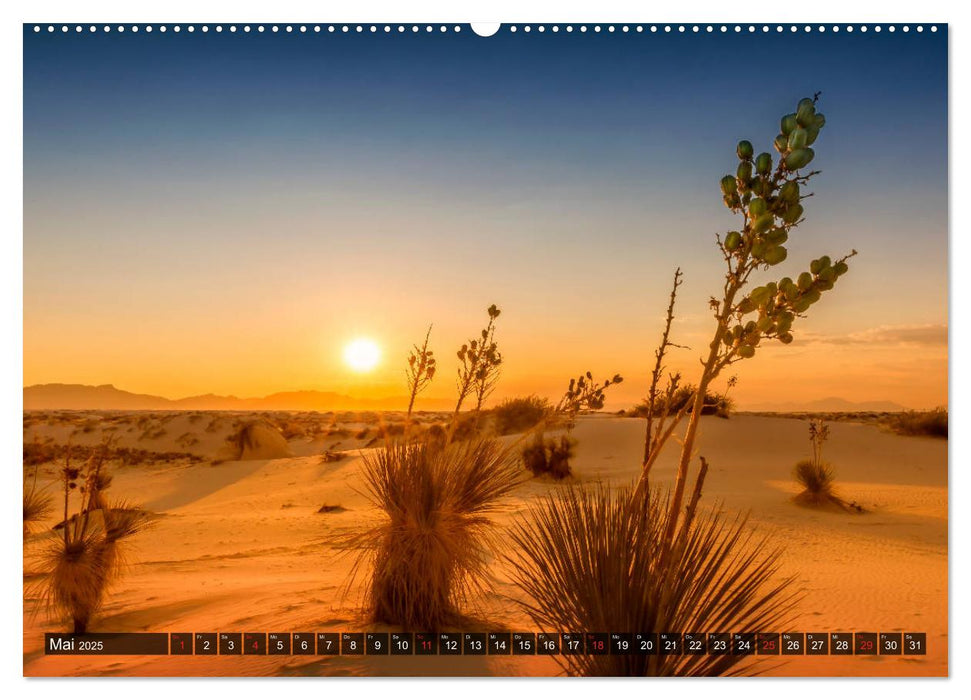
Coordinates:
<point>829,404</point>
<point>107,397</point>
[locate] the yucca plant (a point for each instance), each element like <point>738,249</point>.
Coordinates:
<point>38,504</point>
<point>594,559</point>
<point>430,552</point>
<point>86,556</point>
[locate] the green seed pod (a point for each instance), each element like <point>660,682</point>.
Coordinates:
<point>806,114</point>
<point>841,268</point>
<point>785,338</point>
<point>759,295</point>
<point>732,241</point>
<point>799,158</point>
<point>744,150</point>
<point>764,324</point>
<point>776,236</point>
<point>746,351</point>
<point>732,201</point>
<point>784,324</point>
<point>728,185</point>
<point>746,306</point>
<point>801,305</point>
<point>737,332</point>
<point>781,143</point>
<point>828,275</point>
<point>819,121</point>
<point>728,338</point>
<point>816,266</point>
<point>797,138</point>
<point>825,262</point>
<point>763,223</point>
<point>789,192</point>
<point>749,328</point>
<point>789,123</point>
<point>824,285</point>
<point>744,171</point>
<point>805,102</point>
<point>785,284</point>
<point>793,213</point>
<point>812,133</point>
<point>805,281</point>
<point>763,164</point>
<point>759,248</point>
<point>813,295</point>
<point>775,255</point>
<point>757,207</point>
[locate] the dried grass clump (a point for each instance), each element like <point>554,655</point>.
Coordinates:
<point>430,553</point>
<point>594,559</point>
<point>930,423</point>
<point>38,504</point>
<point>520,414</point>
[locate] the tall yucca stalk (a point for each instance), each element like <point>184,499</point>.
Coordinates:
<point>430,552</point>
<point>592,559</point>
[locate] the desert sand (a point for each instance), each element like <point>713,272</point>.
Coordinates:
<point>240,545</point>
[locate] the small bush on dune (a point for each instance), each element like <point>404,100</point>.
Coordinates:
<point>715,404</point>
<point>521,414</point>
<point>549,456</point>
<point>430,552</point>
<point>931,423</point>
<point>592,558</point>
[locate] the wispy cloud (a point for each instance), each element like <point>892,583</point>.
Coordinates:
<point>929,334</point>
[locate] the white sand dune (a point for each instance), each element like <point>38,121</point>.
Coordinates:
<point>241,547</point>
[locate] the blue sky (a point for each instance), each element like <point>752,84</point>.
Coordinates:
<point>578,169</point>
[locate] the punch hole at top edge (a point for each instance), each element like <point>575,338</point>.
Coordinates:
<point>485,29</point>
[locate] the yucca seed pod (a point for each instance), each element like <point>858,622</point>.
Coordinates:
<point>801,305</point>
<point>732,241</point>
<point>812,133</point>
<point>806,113</point>
<point>840,268</point>
<point>789,192</point>
<point>775,255</point>
<point>799,158</point>
<point>763,163</point>
<point>824,285</point>
<point>746,351</point>
<point>785,338</point>
<point>819,121</point>
<point>746,306</point>
<point>781,143</point>
<point>793,213</point>
<point>805,281</point>
<point>828,275</point>
<point>813,295</point>
<point>744,150</point>
<point>776,236</point>
<point>728,185</point>
<point>759,295</point>
<point>764,222</point>
<point>759,249</point>
<point>757,207</point>
<point>797,138</point>
<point>737,332</point>
<point>788,123</point>
<point>784,324</point>
<point>764,324</point>
<point>744,171</point>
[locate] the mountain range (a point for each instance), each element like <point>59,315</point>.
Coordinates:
<point>107,397</point>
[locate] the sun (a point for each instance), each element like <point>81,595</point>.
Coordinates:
<point>362,355</point>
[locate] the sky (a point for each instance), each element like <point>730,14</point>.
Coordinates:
<point>223,213</point>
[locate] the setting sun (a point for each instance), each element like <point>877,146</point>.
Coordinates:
<point>362,355</point>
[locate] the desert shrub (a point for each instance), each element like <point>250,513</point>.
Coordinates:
<point>332,456</point>
<point>542,455</point>
<point>592,558</point>
<point>931,423</point>
<point>715,404</point>
<point>520,414</point>
<point>430,552</point>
